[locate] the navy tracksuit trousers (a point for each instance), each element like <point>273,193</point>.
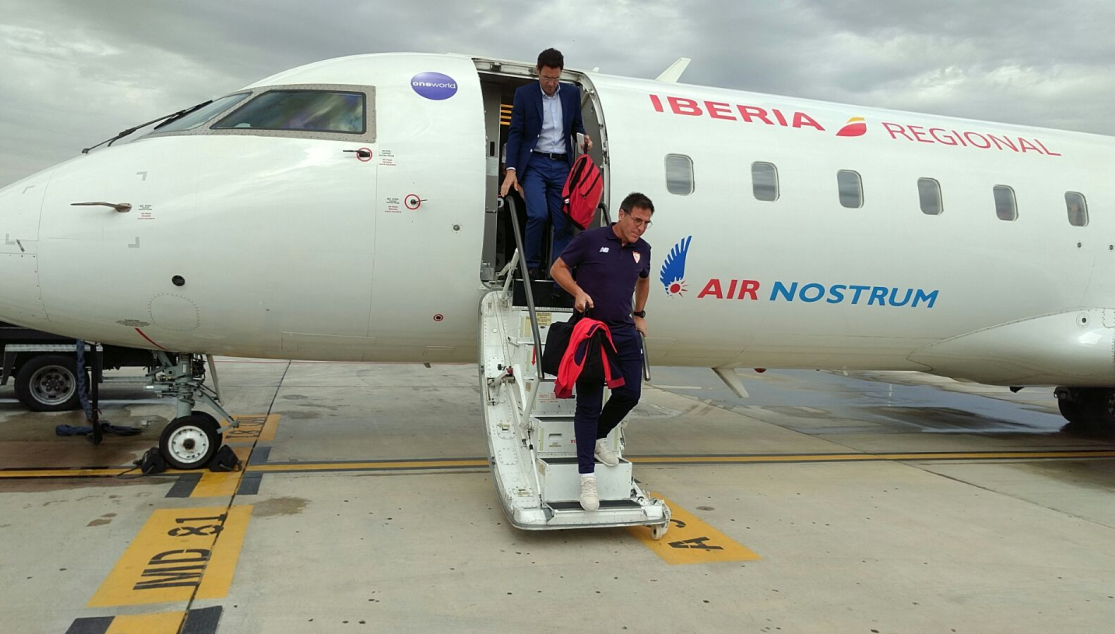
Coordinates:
<point>590,422</point>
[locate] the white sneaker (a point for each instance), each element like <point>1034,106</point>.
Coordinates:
<point>589,500</point>
<point>604,454</point>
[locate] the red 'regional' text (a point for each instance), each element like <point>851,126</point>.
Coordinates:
<point>982,141</point>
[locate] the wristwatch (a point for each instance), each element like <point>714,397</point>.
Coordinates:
<point>639,313</point>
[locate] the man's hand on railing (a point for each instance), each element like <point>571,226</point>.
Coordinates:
<point>509,181</point>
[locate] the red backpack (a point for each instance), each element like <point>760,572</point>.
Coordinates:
<point>582,191</point>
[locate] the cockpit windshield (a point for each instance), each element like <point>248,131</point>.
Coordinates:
<point>300,110</point>
<point>201,115</point>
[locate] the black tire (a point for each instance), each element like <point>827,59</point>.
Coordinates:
<point>1072,406</point>
<point>191,441</point>
<point>48,383</point>
<point>1090,411</point>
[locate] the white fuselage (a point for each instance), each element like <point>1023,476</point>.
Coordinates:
<point>293,247</point>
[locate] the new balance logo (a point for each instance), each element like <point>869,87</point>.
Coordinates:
<point>603,249</point>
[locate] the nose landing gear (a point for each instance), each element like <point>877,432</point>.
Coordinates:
<point>1090,409</point>
<point>193,437</point>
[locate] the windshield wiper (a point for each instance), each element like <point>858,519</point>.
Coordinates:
<point>174,116</point>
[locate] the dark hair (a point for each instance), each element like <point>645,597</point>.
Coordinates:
<point>551,57</point>
<point>635,199</point>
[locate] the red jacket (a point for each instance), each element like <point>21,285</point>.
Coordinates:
<point>589,337</point>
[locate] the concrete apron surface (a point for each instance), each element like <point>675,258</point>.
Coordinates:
<point>824,503</point>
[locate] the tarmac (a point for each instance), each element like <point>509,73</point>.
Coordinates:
<point>871,502</point>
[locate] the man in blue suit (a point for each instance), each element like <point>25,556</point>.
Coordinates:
<point>544,116</point>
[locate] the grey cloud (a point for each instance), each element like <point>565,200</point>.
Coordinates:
<point>74,73</point>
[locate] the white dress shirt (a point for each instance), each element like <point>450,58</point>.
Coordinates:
<point>550,138</point>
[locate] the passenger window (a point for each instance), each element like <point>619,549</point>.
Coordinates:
<point>929,194</point>
<point>1078,209</point>
<point>300,110</point>
<point>764,181</point>
<point>1005,207</point>
<point>851,189</point>
<point>679,174</point>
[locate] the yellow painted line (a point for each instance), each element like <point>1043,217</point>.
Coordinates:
<point>367,466</point>
<point>226,553</point>
<point>174,555</point>
<point>249,428</point>
<point>267,434</point>
<point>221,483</point>
<point>691,540</point>
<point>651,460</point>
<point>984,455</point>
<point>62,473</point>
<point>160,623</point>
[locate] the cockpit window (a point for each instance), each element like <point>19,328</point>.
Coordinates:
<point>201,115</point>
<point>300,110</point>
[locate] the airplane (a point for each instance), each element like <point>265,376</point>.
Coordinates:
<point>348,210</point>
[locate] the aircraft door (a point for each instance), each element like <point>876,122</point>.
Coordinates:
<point>429,213</point>
<point>20,206</point>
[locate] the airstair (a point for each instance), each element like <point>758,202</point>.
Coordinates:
<point>532,448</point>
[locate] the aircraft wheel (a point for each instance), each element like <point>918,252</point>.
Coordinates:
<point>1071,404</point>
<point>189,442</point>
<point>48,383</point>
<point>658,531</point>
<point>1089,410</point>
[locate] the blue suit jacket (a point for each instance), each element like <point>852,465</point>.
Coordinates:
<point>526,122</point>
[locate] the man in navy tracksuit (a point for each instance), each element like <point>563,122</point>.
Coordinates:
<point>544,116</point>
<point>602,268</point>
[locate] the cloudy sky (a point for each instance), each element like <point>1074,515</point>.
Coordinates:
<point>75,72</point>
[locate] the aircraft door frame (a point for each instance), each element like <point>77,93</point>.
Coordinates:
<point>499,79</point>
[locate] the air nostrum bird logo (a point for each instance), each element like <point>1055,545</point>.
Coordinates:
<point>672,273</point>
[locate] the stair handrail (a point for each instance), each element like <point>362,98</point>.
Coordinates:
<point>604,212</point>
<point>510,203</point>
<point>646,358</point>
<point>508,270</point>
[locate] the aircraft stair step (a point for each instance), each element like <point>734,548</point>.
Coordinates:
<point>604,504</point>
<point>532,445</point>
<point>561,482</point>
<point>638,511</point>
<point>556,437</point>
<point>543,292</point>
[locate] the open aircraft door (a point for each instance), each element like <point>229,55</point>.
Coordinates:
<point>532,448</point>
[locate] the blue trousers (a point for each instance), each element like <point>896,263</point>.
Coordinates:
<point>542,181</point>
<point>590,423</point>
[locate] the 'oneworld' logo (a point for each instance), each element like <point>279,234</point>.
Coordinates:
<point>672,274</point>
<point>434,85</point>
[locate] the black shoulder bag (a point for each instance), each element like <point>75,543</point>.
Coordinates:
<point>557,341</point>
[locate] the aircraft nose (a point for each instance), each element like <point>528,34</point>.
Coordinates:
<point>20,207</point>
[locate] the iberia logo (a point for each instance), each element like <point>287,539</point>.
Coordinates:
<point>672,273</point>
<point>856,126</point>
